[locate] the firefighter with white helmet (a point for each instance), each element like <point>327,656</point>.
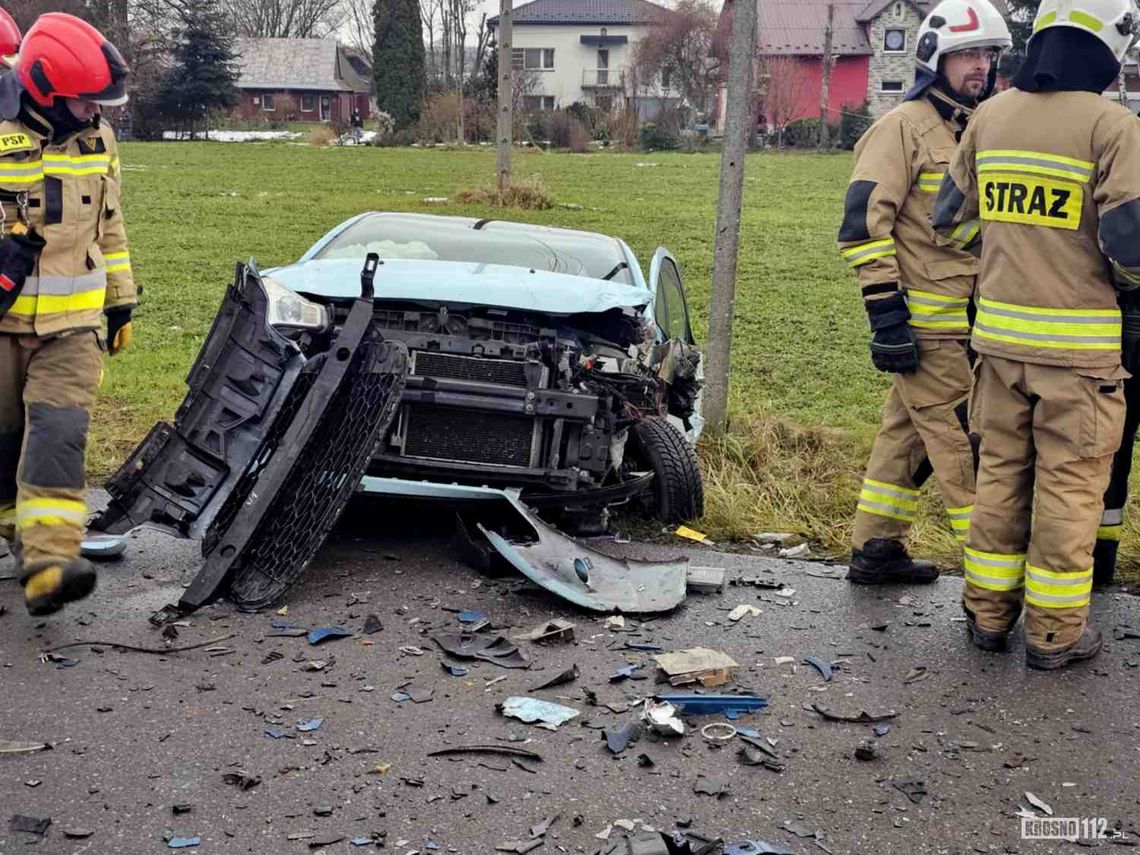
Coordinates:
<point>917,289</point>
<point>1050,173</point>
<point>64,271</point>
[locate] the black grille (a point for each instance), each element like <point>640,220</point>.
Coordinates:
<point>501,371</point>
<point>325,477</point>
<point>446,433</point>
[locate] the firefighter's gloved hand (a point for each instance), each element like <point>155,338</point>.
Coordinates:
<point>118,329</point>
<point>18,254</point>
<point>893,345</point>
<point>1130,334</point>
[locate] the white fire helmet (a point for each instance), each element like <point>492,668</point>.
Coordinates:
<point>1114,22</point>
<point>955,25</point>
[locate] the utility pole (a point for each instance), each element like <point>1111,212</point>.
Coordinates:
<point>825,86</point>
<point>737,131</point>
<point>506,92</point>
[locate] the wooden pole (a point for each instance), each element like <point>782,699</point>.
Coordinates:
<point>825,86</point>
<point>506,92</point>
<point>737,130</point>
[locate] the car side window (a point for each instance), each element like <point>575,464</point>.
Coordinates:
<point>672,315</point>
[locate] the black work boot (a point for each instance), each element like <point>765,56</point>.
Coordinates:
<point>993,640</point>
<point>49,585</point>
<point>1085,647</point>
<point>1104,562</point>
<point>882,562</point>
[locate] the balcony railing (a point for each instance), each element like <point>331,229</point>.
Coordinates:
<point>603,78</point>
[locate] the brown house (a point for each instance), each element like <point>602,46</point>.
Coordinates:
<point>300,80</point>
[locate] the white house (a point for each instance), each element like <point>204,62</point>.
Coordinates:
<point>582,50</point>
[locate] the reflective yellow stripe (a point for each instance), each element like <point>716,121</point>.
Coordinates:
<point>22,173</point>
<point>1034,163</point>
<point>994,571</point>
<point>1086,20</point>
<point>1030,326</point>
<point>50,512</point>
<point>960,519</point>
<point>965,233</point>
<point>1044,21</point>
<point>1109,532</point>
<point>937,311</point>
<point>1132,277</point>
<point>929,182</point>
<point>865,253</point>
<point>47,304</point>
<point>80,164</point>
<point>888,500</point>
<point>117,261</point>
<point>1050,589</point>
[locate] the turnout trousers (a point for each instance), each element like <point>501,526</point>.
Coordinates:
<point>924,427</point>
<point>47,387</point>
<point>1116,496</point>
<point>1048,433</point>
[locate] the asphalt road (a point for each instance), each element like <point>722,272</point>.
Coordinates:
<point>135,734</point>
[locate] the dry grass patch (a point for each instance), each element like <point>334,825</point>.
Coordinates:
<point>529,194</point>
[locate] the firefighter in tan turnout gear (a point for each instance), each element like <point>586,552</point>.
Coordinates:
<point>1053,170</point>
<point>64,266</point>
<point>917,290</point>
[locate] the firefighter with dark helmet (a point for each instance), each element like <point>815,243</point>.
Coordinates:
<point>916,290</point>
<point>9,40</point>
<point>1050,171</point>
<point>64,272</point>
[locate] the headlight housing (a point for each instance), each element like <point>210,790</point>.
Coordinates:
<point>290,310</point>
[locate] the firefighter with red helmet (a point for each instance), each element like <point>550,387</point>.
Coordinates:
<point>64,272</point>
<point>9,40</point>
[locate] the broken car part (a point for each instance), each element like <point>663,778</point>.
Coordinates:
<point>711,704</point>
<point>696,665</point>
<point>532,710</point>
<point>501,750</point>
<point>661,718</point>
<point>718,732</point>
<point>582,575</point>
<point>567,676</point>
<point>489,648</point>
<point>861,717</point>
<point>268,446</point>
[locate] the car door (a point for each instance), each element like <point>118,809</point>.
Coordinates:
<point>670,309</point>
<point>671,313</point>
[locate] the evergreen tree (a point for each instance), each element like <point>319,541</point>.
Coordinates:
<point>203,74</point>
<point>398,60</point>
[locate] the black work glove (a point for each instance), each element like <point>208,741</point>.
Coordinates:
<point>118,328</point>
<point>893,345</point>
<point>18,254</point>
<point>1130,333</point>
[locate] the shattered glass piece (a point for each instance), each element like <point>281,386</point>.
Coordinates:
<point>798,828</point>
<point>547,558</point>
<point>491,648</point>
<point>471,617</point>
<point>310,725</point>
<point>540,830</point>
<point>628,673</point>
<point>372,625</point>
<point>533,710</point>
<point>752,755</point>
<point>183,842</point>
<point>454,670</point>
<point>328,633</point>
<point>29,824</point>
<point>661,718</point>
<point>881,729</point>
<point>618,740</point>
<point>1037,803</point>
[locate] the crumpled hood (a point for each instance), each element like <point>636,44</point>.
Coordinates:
<point>463,282</point>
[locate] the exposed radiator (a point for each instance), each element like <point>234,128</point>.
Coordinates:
<point>450,433</point>
<point>502,372</point>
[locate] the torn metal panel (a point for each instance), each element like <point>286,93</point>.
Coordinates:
<point>586,577</point>
<point>180,475</point>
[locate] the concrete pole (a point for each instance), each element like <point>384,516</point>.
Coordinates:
<point>738,121</point>
<point>506,92</point>
<point>825,86</point>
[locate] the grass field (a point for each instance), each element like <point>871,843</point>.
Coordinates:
<point>804,397</point>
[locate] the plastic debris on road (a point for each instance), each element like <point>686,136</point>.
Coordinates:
<point>183,842</point>
<point>821,665</point>
<point>490,648</point>
<point>551,630</point>
<point>535,711</point>
<point>661,718</point>
<point>327,633</point>
<point>711,704</point>
<point>567,676</point>
<point>692,534</point>
<point>696,665</point>
<point>310,725</point>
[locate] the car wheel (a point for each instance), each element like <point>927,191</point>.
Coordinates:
<point>678,493</point>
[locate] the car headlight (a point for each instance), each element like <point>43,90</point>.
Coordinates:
<point>289,309</point>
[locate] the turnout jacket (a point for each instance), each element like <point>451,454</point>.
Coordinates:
<point>73,202</point>
<point>1053,180</point>
<point>887,237</point>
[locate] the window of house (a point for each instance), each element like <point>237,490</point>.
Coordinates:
<point>308,103</point>
<point>665,77</point>
<point>267,102</point>
<point>894,40</point>
<point>538,102</point>
<point>891,86</point>
<point>532,59</point>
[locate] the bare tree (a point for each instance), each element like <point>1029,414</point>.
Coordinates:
<point>428,10</point>
<point>284,19</point>
<point>357,20</point>
<point>677,55</point>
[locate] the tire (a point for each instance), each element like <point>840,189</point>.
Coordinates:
<point>678,493</point>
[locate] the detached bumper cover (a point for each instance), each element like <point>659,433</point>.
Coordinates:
<point>266,450</point>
